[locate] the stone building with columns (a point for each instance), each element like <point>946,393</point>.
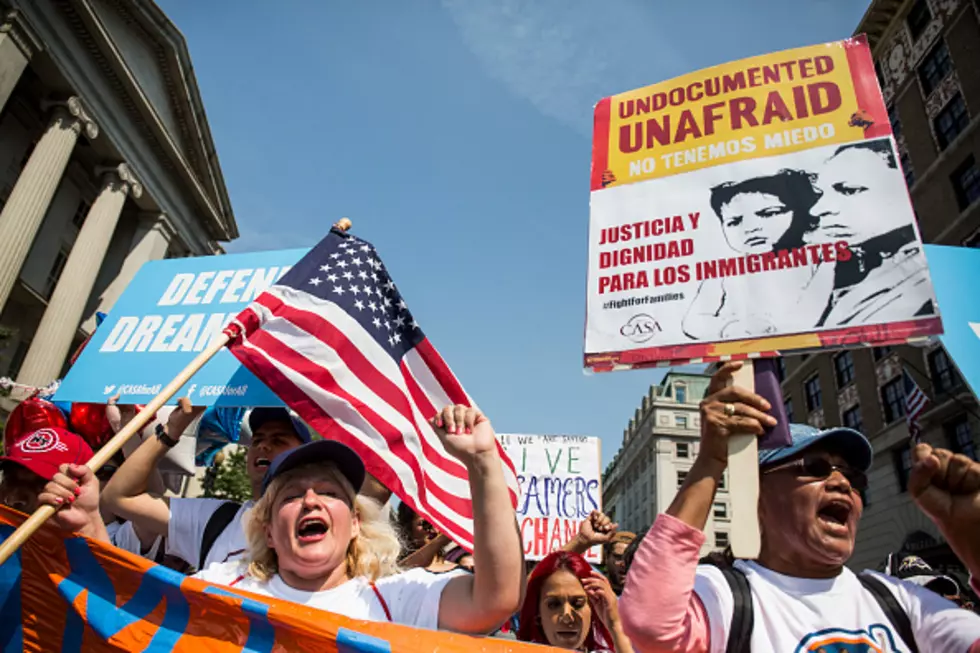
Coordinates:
<point>106,162</point>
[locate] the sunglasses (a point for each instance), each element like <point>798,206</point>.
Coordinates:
<point>820,469</point>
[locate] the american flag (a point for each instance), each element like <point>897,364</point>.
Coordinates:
<point>334,339</point>
<point>915,405</point>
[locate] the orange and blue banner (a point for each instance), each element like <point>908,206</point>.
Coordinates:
<point>74,594</point>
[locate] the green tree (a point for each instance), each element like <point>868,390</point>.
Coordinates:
<point>227,478</point>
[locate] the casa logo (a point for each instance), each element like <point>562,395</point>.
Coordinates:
<point>42,441</point>
<point>640,328</point>
<point>877,638</point>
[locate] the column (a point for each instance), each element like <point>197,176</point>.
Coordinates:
<point>29,200</point>
<point>150,243</point>
<point>59,325</point>
<point>17,44</point>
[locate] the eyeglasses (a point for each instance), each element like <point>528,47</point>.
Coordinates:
<point>820,469</point>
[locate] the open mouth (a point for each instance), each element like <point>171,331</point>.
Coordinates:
<point>311,529</point>
<point>262,463</point>
<point>756,241</point>
<point>571,635</point>
<point>836,514</point>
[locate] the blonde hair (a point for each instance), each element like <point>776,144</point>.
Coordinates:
<point>373,553</point>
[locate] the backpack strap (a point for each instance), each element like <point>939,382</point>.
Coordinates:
<point>892,609</point>
<point>216,525</point>
<point>161,551</point>
<point>740,632</point>
<point>384,604</point>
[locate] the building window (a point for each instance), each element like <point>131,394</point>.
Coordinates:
<point>811,387</point>
<point>895,120</point>
<point>788,407</point>
<point>721,539</point>
<point>680,393</point>
<point>681,477</point>
<point>966,183</point>
<point>852,417</point>
<point>893,400</point>
<point>683,450</point>
<point>951,121</point>
<point>680,421</point>
<point>780,369</point>
<point>880,352</point>
<point>844,369</point>
<point>723,482</point>
<point>934,68</point>
<point>20,353</point>
<point>56,269</point>
<point>720,510</point>
<point>902,459</point>
<point>5,194</point>
<point>960,438</point>
<point>906,162</point>
<point>918,19</point>
<point>944,377</point>
<point>80,214</point>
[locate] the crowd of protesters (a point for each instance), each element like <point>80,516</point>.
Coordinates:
<point>318,532</point>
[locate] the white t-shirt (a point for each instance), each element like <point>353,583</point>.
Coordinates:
<point>189,518</point>
<point>412,596</point>
<point>124,537</point>
<point>805,614</point>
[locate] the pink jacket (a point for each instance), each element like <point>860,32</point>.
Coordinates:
<point>670,617</point>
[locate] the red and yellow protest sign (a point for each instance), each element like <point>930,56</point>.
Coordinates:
<point>774,103</point>
<point>751,208</point>
<point>66,593</point>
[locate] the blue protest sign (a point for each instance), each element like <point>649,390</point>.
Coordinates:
<point>954,272</point>
<point>164,318</point>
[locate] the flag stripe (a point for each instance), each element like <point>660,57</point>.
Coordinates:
<point>340,421</point>
<point>316,379</point>
<point>374,370</point>
<point>915,404</point>
<point>431,386</point>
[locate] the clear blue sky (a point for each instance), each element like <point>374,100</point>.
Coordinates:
<point>456,136</point>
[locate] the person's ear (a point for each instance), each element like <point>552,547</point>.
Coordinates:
<point>270,540</point>
<point>355,523</point>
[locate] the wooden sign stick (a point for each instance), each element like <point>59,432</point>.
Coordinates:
<point>743,481</point>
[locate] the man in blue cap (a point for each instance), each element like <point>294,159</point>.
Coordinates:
<point>797,595</point>
<point>200,531</point>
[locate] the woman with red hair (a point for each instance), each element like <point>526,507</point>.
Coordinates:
<point>571,606</point>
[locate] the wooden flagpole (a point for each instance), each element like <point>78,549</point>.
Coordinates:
<point>743,481</point>
<point>109,449</point>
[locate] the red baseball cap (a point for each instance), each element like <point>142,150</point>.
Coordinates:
<point>45,450</point>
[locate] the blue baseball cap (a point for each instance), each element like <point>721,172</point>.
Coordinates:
<point>264,414</point>
<point>348,463</point>
<point>850,444</point>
